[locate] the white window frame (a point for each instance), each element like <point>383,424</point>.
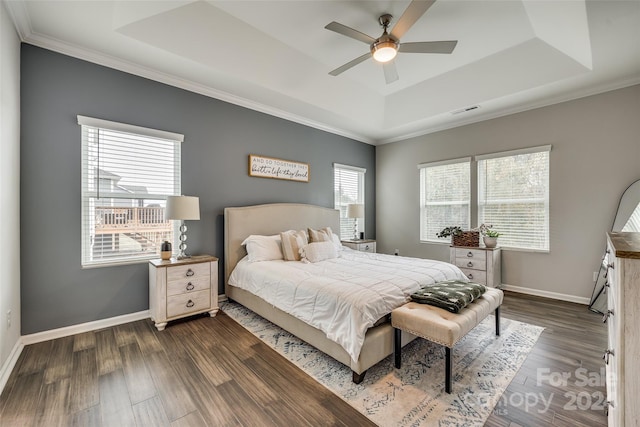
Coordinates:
<point>94,188</point>
<point>347,224</point>
<point>511,237</point>
<point>430,236</point>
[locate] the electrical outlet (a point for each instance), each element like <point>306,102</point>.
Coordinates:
<point>396,251</point>
<point>8,318</point>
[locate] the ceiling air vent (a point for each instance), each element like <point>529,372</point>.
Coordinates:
<point>465,110</point>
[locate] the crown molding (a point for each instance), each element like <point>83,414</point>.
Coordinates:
<point>20,17</point>
<point>546,102</point>
<point>18,13</point>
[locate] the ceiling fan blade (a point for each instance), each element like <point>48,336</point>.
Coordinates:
<point>349,32</point>
<point>350,64</point>
<point>390,71</point>
<point>428,47</point>
<point>414,11</point>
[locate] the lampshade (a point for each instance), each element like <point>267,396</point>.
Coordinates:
<point>355,210</point>
<point>182,207</point>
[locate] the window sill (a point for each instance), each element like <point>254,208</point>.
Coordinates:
<point>120,263</point>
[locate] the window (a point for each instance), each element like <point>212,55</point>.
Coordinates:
<point>444,197</point>
<point>513,196</point>
<point>348,185</point>
<point>127,173</point>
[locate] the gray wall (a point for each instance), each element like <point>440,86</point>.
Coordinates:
<point>56,291</point>
<point>595,156</point>
<point>9,188</point>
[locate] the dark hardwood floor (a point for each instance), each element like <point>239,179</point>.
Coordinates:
<point>212,372</point>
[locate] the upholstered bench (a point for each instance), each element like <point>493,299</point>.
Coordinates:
<point>441,326</point>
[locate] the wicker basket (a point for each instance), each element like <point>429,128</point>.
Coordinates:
<point>467,238</point>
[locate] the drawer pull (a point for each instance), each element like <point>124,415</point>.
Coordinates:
<point>190,303</point>
<point>366,248</point>
<point>470,254</point>
<point>470,276</point>
<point>190,286</point>
<point>606,355</point>
<point>190,272</point>
<point>607,315</point>
<point>607,405</point>
<point>469,264</point>
<point>611,266</point>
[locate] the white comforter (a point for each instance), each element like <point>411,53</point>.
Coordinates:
<point>344,296</point>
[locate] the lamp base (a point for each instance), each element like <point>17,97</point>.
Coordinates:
<point>183,243</point>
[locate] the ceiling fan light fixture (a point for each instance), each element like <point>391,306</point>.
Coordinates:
<point>384,51</point>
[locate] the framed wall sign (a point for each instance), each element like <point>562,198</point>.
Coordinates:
<point>268,167</point>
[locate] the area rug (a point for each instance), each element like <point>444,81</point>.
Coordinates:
<point>483,367</point>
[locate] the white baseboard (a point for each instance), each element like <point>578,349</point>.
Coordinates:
<point>546,294</point>
<point>10,363</point>
<point>83,327</point>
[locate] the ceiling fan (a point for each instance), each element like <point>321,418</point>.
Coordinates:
<point>386,47</point>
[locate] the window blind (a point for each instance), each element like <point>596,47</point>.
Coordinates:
<point>127,173</point>
<point>513,196</point>
<point>348,188</point>
<point>444,197</point>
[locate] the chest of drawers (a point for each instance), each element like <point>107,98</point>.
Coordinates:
<point>480,265</point>
<point>622,318</point>
<point>180,288</point>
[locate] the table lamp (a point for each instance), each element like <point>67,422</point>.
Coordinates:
<point>182,208</point>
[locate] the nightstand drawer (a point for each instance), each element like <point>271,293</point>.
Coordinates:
<point>189,271</point>
<point>477,276</point>
<point>184,286</point>
<point>472,263</point>
<point>367,247</point>
<point>477,255</point>
<point>361,245</point>
<point>179,305</point>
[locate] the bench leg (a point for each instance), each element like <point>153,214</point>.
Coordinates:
<point>447,370</point>
<point>397,347</point>
<point>498,321</point>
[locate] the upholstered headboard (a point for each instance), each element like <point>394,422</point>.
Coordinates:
<point>267,220</point>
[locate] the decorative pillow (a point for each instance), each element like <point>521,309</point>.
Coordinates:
<point>263,248</point>
<point>292,242</point>
<point>322,235</point>
<point>318,251</point>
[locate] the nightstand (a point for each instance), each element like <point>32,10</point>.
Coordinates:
<point>182,287</point>
<point>366,245</point>
<point>480,265</point>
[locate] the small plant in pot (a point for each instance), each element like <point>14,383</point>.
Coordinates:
<point>449,231</point>
<point>489,236</point>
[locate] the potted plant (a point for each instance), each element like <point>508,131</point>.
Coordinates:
<point>461,238</point>
<point>449,231</point>
<point>489,236</point>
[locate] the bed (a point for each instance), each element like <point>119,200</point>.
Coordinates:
<point>271,219</point>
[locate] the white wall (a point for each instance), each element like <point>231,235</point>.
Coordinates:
<point>595,156</point>
<point>9,188</point>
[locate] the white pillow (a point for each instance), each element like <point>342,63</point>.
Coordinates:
<point>263,248</point>
<point>318,251</point>
<point>336,241</point>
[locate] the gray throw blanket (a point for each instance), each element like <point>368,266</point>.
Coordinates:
<point>452,295</point>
